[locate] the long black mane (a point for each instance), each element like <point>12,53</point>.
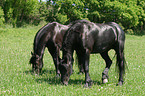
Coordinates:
<point>39,35</point>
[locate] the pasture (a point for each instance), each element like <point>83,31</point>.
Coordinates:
<point>16,77</point>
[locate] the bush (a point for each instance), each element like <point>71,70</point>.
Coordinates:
<point>130,31</point>
<point>61,18</point>
<point>1,17</point>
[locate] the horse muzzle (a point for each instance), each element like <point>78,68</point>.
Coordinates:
<point>64,80</point>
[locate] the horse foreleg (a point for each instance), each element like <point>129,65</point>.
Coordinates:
<point>108,64</point>
<point>80,62</point>
<point>80,65</point>
<point>57,66</point>
<point>56,59</point>
<point>88,81</point>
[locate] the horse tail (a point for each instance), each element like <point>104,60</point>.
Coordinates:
<point>120,62</point>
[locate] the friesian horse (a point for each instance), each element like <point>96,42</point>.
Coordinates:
<point>50,36</point>
<point>90,38</point>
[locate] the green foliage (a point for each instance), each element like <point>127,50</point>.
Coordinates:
<point>17,79</point>
<point>19,12</point>
<point>130,31</point>
<point>61,18</point>
<point>7,11</point>
<point>127,12</point>
<point>72,8</point>
<point>1,17</point>
<point>130,13</point>
<point>43,11</point>
<point>122,13</point>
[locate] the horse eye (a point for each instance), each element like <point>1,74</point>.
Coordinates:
<point>37,62</point>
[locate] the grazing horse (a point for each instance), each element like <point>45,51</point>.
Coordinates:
<point>89,38</point>
<point>50,36</point>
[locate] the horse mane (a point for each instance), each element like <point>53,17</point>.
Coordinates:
<point>39,35</point>
<point>73,29</point>
<point>41,32</point>
<point>49,29</point>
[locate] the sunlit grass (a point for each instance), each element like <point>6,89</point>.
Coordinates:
<point>17,79</point>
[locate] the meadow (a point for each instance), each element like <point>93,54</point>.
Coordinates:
<point>17,79</point>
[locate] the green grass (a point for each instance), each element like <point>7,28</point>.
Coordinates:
<point>16,78</point>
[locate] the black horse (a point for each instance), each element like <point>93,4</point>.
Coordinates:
<point>88,38</point>
<point>50,36</point>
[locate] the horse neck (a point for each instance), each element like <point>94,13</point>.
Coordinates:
<point>39,51</point>
<point>39,46</point>
<point>68,47</point>
<point>41,38</point>
<point>68,56</point>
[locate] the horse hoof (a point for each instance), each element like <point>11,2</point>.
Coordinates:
<point>120,83</point>
<point>80,73</point>
<point>88,85</point>
<point>58,75</point>
<point>105,81</point>
<point>65,83</point>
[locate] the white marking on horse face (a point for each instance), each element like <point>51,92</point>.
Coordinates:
<point>105,81</point>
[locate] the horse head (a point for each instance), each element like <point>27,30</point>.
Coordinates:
<point>36,62</point>
<point>65,68</point>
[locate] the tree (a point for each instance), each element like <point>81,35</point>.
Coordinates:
<point>128,13</point>
<point>68,10</point>
<point>18,11</point>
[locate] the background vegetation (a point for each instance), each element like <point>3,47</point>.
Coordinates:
<point>16,78</point>
<point>130,14</point>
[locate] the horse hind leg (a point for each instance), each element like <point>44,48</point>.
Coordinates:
<point>88,81</point>
<point>108,65</point>
<point>120,63</point>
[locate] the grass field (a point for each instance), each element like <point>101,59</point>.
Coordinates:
<point>17,79</point>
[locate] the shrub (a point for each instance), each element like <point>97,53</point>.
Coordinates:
<point>1,17</point>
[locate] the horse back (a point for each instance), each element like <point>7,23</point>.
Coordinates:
<point>98,37</point>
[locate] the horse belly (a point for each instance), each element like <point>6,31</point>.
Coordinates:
<point>103,46</point>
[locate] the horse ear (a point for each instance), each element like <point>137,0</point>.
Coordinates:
<point>61,61</point>
<point>32,53</point>
<point>37,57</point>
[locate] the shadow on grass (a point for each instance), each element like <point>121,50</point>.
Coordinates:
<point>57,81</point>
<point>44,71</point>
<point>53,80</point>
<point>82,82</point>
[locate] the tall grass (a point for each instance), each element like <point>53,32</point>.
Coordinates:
<point>16,77</point>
